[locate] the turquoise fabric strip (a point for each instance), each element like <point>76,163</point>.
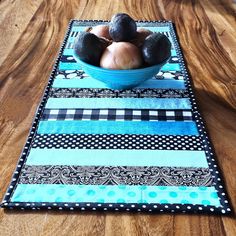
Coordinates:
<point>78,28</point>
<point>171,67</point>
<point>116,103</point>
<point>157,29</point>
<point>90,82</point>
<point>115,194</point>
<point>117,127</point>
<point>69,66</point>
<point>117,157</point>
<point>70,52</point>
<point>154,28</point>
<point>76,66</point>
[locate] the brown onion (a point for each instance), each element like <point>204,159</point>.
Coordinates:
<point>121,56</point>
<point>101,31</point>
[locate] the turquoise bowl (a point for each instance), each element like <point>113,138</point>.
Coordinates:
<point>120,79</point>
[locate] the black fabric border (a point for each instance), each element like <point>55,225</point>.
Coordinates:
<point>225,207</point>
<point>118,207</point>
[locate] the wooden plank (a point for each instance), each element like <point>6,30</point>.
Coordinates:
<point>14,18</point>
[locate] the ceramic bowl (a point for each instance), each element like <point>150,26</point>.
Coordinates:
<point>120,79</point>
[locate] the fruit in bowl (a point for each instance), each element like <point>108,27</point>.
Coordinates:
<point>119,54</point>
<point>101,31</point>
<point>89,48</point>
<point>156,48</point>
<point>122,28</point>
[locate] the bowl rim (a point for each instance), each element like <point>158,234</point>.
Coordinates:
<point>119,71</point>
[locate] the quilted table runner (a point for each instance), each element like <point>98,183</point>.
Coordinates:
<point>141,149</point>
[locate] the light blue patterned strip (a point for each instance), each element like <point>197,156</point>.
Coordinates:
<point>116,103</point>
<point>115,194</point>
<point>117,157</point>
<point>117,127</point>
<point>90,82</point>
<point>76,66</point>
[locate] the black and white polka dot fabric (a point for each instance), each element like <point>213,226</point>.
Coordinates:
<point>103,141</point>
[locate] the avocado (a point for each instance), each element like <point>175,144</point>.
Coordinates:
<point>89,48</point>
<point>156,49</point>
<point>122,28</point>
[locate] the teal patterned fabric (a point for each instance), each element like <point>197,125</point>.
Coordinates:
<point>141,149</point>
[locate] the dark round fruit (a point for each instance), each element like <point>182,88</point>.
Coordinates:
<point>89,48</point>
<point>122,28</point>
<point>156,49</point>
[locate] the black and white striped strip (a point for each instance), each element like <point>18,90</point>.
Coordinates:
<point>117,141</point>
<point>117,114</point>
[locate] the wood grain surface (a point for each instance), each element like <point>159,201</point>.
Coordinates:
<point>30,36</point>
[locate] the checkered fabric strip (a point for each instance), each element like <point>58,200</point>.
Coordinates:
<point>117,114</point>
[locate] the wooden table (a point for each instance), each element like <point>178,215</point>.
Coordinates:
<point>31,34</point>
